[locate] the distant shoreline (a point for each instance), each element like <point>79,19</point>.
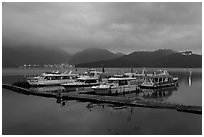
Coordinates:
<point>97,67</point>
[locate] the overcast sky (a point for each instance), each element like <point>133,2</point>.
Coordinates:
<point>118,27</point>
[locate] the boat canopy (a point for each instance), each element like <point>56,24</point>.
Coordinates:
<point>87,78</point>
<point>124,78</point>
<point>158,76</point>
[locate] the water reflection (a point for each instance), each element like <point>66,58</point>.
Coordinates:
<point>48,89</point>
<point>189,79</point>
<point>188,76</point>
<point>93,105</point>
<point>112,107</point>
<point>90,106</point>
<point>24,113</point>
<point>159,94</point>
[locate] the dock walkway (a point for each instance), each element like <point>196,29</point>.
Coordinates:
<point>129,101</point>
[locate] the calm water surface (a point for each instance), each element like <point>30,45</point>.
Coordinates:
<point>22,114</point>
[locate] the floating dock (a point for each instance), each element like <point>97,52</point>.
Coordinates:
<point>128,101</point>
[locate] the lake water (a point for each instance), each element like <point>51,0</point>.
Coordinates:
<point>32,115</point>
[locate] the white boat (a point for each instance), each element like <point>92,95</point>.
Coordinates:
<point>159,79</point>
<point>140,77</point>
<point>85,81</point>
<point>92,73</point>
<point>51,78</point>
<point>88,79</point>
<point>116,85</point>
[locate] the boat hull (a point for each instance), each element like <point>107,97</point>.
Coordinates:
<point>46,82</point>
<point>114,90</point>
<point>158,86</point>
<point>79,85</point>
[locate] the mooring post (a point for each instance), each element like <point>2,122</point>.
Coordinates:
<point>123,92</point>
<point>59,94</point>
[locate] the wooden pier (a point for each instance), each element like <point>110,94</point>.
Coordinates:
<point>128,101</point>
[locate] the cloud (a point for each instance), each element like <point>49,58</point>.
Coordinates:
<point>115,26</point>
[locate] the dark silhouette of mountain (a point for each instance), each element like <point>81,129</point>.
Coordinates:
<point>92,55</point>
<point>158,58</point>
<point>13,56</point>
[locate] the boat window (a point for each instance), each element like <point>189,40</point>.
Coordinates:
<point>132,82</point>
<point>81,80</point>
<point>112,81</point>
<point>156,80</point>
<point>160,79</point>
<point>166,79</point>
<point>149,80</point>
<point>91,81</point>
<point>123,82</point>
<point>47,78</point>
<point>65,77</point>
<point>59,78</point>
<point>53,78</point>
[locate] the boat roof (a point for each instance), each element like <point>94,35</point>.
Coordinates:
<point>117,76</point>
<point>139,74</point>
<point>59,74</point>
<point>123,78</point>
<point>158,76</point>
<point>87,78</point>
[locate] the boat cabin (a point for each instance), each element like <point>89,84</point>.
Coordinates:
<point>58,76</point>
<point>159,79</point>
<point>122,81</point>
<point>87,80</point>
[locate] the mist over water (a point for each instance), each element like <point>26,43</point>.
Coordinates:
<point>22,114</point>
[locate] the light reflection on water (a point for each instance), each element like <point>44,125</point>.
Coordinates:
<point>23,114</point>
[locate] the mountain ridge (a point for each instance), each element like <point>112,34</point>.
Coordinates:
<point>158,58</point>
<point>17,56</point>
<point>92,55</point>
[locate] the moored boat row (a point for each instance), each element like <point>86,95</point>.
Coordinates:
<point>115,84</point>
<point>88,79</point>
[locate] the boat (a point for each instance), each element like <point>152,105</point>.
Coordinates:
<point>159,79</point>
<point>92,73</point>
<point>51,78</point>
<point>116,85</point>
<point>88,79</point>
<point>140,77</point>
<point>85,81</point>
